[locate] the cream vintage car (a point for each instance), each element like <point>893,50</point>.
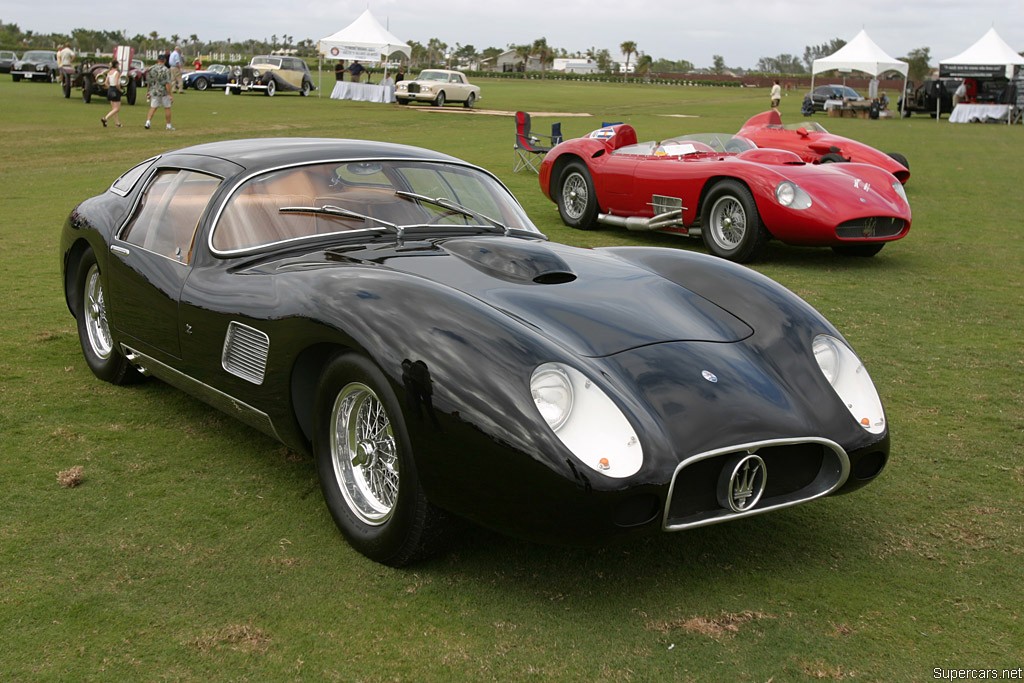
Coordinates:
<point>438,86</point>
<point>271,73</point>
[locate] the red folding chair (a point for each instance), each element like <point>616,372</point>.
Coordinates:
<point>527,152</point>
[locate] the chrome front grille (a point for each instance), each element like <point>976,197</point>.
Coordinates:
<point>870,228</point>
<point>793,471</point>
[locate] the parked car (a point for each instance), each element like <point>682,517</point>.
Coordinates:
<point>832,92</point>
<point>36,65</point>
<point>815,145</point>
<point>213,76</point>
<point>393,311</point>
<point>438,86</point>
<point>92,79</point>
<point>7,60</point>
<point>723,188</point>
<point>928,96</point>
<point>270,74</point>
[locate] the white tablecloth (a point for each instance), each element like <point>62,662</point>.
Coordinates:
<point>363,92</point>
<point>965,113</point>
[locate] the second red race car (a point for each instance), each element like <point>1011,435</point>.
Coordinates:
<point>723,188</point>
<point>815,145</point>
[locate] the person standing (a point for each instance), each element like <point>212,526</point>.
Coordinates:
<point>113,95</point>
<point>176,63</point>
<point>356,70</point>
<point>960,94</point>
<point>776,94</point>
<point>339,70</point>
<point>159,77</point>
<point>65,62</point>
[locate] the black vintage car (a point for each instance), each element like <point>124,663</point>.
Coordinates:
<point>394,312</point>
<point>7,60</point>
<point>92,79</point>
<point>36,65</point>
<point>930,96</point>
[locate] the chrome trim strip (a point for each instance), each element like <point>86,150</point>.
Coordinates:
<point>226,403</point>
<point>229,195</point>
<point>753,447</point>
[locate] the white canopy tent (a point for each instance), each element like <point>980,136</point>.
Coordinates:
<point>364,40</point>
<point>990,57</point>
<point>860,54</point>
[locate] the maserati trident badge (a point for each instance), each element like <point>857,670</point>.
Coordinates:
<point>742,483</point>
<point>709,376</point>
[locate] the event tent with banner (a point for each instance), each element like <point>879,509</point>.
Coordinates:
<point>990,59</point>
<point>363,40</point>
<point>860,54</point>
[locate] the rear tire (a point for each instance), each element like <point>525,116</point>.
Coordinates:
<point>831,158</point>
<point>730,224</point>
<point>470,101</point>
<point>900,159</point>
<point>366,466</point>
<point>306,88</point>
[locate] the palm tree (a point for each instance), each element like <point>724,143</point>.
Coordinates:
<point>628,49</point>
<point>542,51</point>
<point>523,52</point>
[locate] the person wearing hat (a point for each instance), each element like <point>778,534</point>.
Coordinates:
<point>159,79</point>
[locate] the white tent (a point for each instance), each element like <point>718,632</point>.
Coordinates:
<point>364,40</point>
<point>860,54</point>
<point>990,57</point>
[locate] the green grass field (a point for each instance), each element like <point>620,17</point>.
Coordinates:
<point>197,550</point>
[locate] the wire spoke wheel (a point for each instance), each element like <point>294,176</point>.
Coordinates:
<point>575,195</point>
<point>95,311</point>
<point>364,454</point>
<point>728,222</point>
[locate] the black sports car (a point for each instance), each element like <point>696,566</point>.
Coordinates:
<point>394,311</point>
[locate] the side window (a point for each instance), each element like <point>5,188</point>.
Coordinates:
<point>167,217</point>
<point>126,182</point>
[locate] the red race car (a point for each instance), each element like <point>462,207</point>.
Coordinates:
<point>815,145</point>
<point>725,189</point>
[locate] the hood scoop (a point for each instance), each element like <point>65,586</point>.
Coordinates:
<point>517,261</point>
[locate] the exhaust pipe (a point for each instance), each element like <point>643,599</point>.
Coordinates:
<point>668,219</point>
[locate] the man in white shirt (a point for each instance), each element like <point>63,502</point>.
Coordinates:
<point>176,62</point>
<point>776,95</point>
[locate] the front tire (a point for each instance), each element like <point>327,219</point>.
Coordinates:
<point>831,158</point>
<point>439,102</point>
<point>730,225</point>
<point>86,89</point>
<point>576,199</point>
<point>201,84</point>
<point>366,467</point>
<point>98,347</point>
<point>271,87</point>
<point>900,159</point>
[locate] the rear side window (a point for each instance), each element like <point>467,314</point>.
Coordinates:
<point>126,182</point>
<point>168,213</point>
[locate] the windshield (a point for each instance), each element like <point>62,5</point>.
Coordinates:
<point>37,56</point>
<point>694,143</point>
<point>367,197</point>
<point>433,76</point>
<point>271,61</point>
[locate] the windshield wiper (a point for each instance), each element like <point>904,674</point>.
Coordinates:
<point>339,212</point>
<point>446,203</point>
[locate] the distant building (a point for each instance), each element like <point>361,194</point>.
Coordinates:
<point>577,65</point>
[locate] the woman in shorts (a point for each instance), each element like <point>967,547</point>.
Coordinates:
<point>113,94</point>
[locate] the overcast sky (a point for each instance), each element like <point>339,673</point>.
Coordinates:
<point>742,31</point>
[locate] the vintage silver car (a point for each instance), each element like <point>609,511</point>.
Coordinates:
<point>438,86</point>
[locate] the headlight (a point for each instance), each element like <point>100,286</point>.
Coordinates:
<point>898,186</point>
<point>255,73</point>
<point>427,88</point>
<point>850,380</point>
<point>791,195</point>
<point>586,420</point>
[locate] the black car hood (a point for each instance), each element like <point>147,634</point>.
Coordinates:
<point>594,303</point>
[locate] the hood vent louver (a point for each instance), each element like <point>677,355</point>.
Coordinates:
<point>512,260</point>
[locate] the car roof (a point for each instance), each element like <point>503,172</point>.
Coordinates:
<point>263,153</point>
